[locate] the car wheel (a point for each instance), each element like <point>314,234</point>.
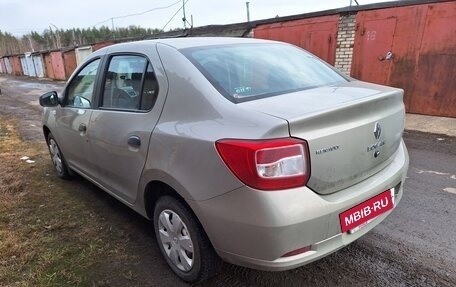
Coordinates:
<point>57,158</point>
<point>182,241</point>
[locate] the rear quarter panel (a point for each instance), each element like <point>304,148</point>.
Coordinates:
<point>182,151</point>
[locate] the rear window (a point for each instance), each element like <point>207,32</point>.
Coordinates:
<point>249,71</point>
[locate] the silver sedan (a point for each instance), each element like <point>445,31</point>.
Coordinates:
<point>251,151</point>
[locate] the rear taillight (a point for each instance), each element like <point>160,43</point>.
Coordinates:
<point>267,164</point>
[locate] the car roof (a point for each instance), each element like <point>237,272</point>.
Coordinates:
<point>191,42</point>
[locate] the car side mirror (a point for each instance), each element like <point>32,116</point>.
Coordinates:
<point>49,99</point>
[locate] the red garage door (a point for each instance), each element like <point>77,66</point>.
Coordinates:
<point>316,35</point>
<point>373,50</point>
<point>422,42</point>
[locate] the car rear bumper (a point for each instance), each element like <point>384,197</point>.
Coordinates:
<point>256,228</point>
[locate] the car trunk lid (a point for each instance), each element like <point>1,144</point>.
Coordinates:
<point>353,129</point>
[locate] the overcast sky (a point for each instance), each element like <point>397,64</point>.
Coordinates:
<point>22,16</point>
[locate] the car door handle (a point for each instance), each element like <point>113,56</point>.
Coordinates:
<point>82,128</point>
<point>134,141</point>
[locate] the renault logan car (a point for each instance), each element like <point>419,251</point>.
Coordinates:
<point>251,151</point>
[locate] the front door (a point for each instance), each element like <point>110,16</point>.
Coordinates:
<point>73,118</point>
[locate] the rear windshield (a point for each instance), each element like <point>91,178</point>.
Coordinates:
<point>243,72</point>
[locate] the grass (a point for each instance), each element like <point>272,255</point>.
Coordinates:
<point>33,248</point>
<point>48,236</point>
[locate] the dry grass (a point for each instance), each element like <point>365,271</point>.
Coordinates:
<point>10,180</point>
<point>61,233</point>
<point>36,247</point>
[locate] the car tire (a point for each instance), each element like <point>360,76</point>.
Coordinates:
<point>183,242</point>
<point>60,165</point>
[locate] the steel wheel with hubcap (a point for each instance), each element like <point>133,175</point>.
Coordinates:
<point>182,241</point>
<point>57,158</point>
<point>175,239</point>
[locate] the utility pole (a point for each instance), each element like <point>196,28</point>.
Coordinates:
<point>53,37</point>
<point>184,19</point>
<point>57,33</point>
<point>112,28</point>
<point>31,44</point>
<point>74,38</point>
<point>248,11</point>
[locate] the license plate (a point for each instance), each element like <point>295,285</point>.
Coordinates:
<point>356,217</point>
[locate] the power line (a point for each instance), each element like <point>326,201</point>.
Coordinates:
<point>137,14</point>
<point>23,30</point>
<point>172,17</point>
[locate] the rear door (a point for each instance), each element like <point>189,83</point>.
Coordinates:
<point>120,129</point>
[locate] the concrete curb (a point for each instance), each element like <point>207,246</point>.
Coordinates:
<point>431,124</point>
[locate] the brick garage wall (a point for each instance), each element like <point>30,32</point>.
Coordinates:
<point>345,42</point>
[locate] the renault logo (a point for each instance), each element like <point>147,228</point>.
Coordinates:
<point>377,130</point>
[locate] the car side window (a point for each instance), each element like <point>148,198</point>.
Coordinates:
<point>81,89</point>
<point>130,84</point>
<point>150,89</point>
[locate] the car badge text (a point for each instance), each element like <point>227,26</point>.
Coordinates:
<point>328,149</point>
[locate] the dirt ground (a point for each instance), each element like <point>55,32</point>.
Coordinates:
<point>57,232</point>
